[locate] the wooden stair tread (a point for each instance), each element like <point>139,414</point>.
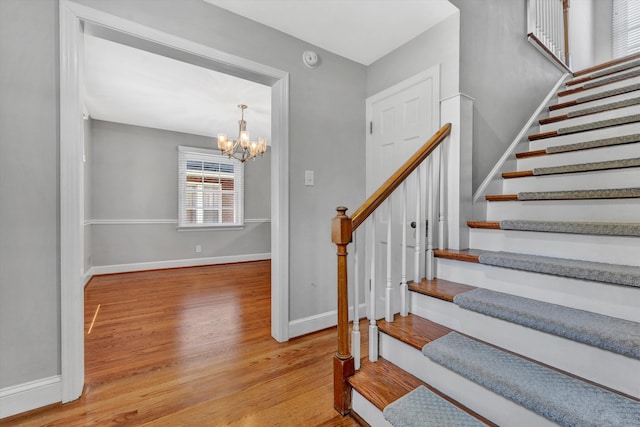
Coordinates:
<point>440,288</point>
<point>413,330</point>
<point>527,154</point>
<point>467,255</point>
<point>517,174</point>
<point>570,91</point>
<point>382,383</point>
<point>553,119</point>
<point>606,65</point>
<point>488,225</point>
<point>543,135</point>
<point>501,197</point>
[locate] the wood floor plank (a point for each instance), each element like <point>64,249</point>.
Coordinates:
<point>193,346</point>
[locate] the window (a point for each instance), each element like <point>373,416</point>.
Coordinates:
<point>626,27</point>
<point>210,189</point>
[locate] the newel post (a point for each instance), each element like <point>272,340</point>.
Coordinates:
<point>343,362</point>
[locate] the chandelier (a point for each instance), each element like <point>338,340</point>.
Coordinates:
<point>242,148</point>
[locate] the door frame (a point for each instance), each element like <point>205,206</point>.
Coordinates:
<point>432,72</point>
<point>72,18</point>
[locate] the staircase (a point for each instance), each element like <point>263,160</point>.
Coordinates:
<point>538,323</point>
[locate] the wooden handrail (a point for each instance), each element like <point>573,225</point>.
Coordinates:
<point>385,190</point>
<point>342,228</point>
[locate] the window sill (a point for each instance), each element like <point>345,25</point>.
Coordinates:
<point>234,227</point>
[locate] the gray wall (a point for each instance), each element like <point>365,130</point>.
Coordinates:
<point>438,45</point>
<point>503,72</point>
<point>134,177</point>
<point>88,156</point>
<point>326,135</point>
<point>29,241</point>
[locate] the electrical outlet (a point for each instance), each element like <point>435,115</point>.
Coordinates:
<point>198,248</point>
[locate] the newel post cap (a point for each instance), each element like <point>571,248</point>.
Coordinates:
<point>341,228</point>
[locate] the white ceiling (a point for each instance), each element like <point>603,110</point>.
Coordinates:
<point>132,86</point>
<point>128,85</point>
<point>361,30</point>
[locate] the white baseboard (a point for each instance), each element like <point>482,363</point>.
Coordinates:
<point>318,322</point>
<point>158,265</point>
<point>31,395</point>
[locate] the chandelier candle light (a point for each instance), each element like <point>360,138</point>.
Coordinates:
<point>242,148</point>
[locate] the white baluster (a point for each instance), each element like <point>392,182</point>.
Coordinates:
<point>417,254</point>
<point>355,332</point>
<point>430,209</point>
<point>373,327</point>
<point>404,289</point>
<point>388,315</point>
<point>441,205</point>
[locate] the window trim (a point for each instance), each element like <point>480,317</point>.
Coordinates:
<point>186,153</point>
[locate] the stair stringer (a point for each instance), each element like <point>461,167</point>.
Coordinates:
<point>493,182</point>
<point>490,405</point>
<point>613,370</point>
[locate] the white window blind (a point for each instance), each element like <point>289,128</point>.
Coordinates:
<point>626,27</point>
<point>211,192</point>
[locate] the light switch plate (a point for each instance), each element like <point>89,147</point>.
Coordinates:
<point>308,178</point>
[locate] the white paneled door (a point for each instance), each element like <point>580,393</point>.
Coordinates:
<point>399,121</point>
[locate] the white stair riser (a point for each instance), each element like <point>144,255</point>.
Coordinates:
<point>601,366</point>
<point>594,103</point>
<point>599,89</point>
<point>591,135</point>
<point>610,178</point>
<point>372,415</point>
<point>589,118</point>
<point>477,398</point>
<point>612,210</point>
<point>601,154</point>
<point>611,300</point>
<point>608,249</point>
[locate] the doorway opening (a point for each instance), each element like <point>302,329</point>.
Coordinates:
<point>74,20</point>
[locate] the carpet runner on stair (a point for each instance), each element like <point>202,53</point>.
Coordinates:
<point>597,271</point>
<point>597,228</point>
<point>423,408</point>
<point>597,143</point>
<point>563,399</point>
<point>587,127</point>
<point>587,167</point>
<point>609,333</point>
<point>604,193</point>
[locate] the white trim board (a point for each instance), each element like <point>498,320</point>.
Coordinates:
<point>318,322</point>
<point>73,17</point>
<point>157,221</point>
<point>176,263</point>
<point>24,397</point>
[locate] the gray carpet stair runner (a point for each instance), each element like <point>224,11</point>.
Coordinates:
<point>616,69</point>
<point>588,167</point>
<point>611,79</point>
<point>560,398</point>
<point>423,408</point>
<point>606,193</point>
<point>597,143</point>
<point>598,228</point>
<point>616,274</point>
<point>599,124</point>
<point>605,332</point>
<point>607,94</point>
<point>605,107</point>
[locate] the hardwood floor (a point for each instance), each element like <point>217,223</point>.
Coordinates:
<point>192,347</point>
